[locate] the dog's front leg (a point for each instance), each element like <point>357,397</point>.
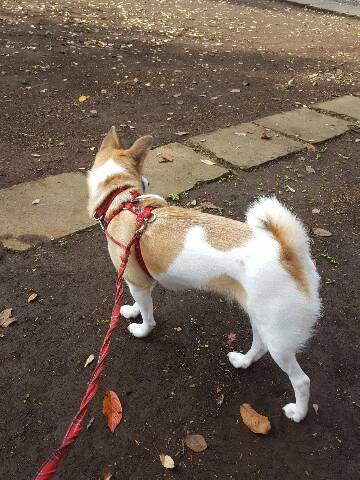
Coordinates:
<point>144,305</point>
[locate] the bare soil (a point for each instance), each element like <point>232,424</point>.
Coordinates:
<point>173,382</point>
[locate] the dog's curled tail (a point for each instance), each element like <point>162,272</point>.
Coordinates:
<point>268,213</point>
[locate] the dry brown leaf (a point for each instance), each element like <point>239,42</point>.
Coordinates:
<point>83,98</point>
<point>165,157</point>
<point>208,206</point>
<point>207,162</point>
<point>5,318</point>
<point>266,136</point>
<point>32,297</point>
<point>112,409</point>
<point>166,461</point>
<point>195,442</point>
<point>309,169</point>
<point>89,360</point>
<point>254,421</point>
<point>107,475</point>
<point>310,147</point>
<point>181,134</point>
<point>315,210</point>
<point>231,338</point>
<point>321,232</point>
<point>316,408</point>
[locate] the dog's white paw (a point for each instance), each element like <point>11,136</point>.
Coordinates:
<point>140,330</point>
<point>130,311</point>
<point>238,360</point>
<point>292,412</point>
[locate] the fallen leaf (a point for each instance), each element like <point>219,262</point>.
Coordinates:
<point>246,84</point>
<point>89,360</point>
<point>231,338</point>
<point>266,136</point>
<point>181,134</point>
<point>195,442</point>
<point>316,408</point>
<point>166,157</point>
<point>112,409</point>
<point>309,169</point>
<point>207,206</point>
<point>36,201</point>
<point>93,113</point>
<point>254,421</point>
<point>166,461</point>
<point>235,90</point>
<point>36,155</point>
<point>5,318</point>
<point>32,297</point>
<point>310,147</point>
<point>207,162</point>
<point>107,475</point>
<point>321,232</point>
<point>315,210</point>
<point>83,98</point>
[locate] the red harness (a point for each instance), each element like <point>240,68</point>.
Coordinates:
<point>144,215</point>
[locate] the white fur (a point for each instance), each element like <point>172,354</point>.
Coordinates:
<point>150,195</point>
<point>98,175</point>
<point>282,315</point>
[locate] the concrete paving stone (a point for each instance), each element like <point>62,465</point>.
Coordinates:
<point>347,105</point>
<point>182,173</point>
<point>242,145</point>
<point>330,6</point>
<point>61,210</point>
<point>305,124</point>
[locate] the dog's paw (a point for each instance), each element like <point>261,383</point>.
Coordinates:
<point>130,311</point>
<point>238,360</point>
<point>292,412</point>
<point>140,330</point>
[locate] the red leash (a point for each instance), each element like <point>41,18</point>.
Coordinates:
<point>143,215</point>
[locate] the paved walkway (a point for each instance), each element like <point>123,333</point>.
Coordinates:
<point>55,206</point>
<point>347,7</point>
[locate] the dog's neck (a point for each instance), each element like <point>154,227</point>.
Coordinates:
<point>103,180</point>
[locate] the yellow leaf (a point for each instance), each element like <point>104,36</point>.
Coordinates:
<point>254,421</point>
<point>83,98</point>
<point>166,461</point>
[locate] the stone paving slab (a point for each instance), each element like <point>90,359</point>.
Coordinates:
<point>61,210</point>
<point>243,146</point>
<point>347,105</point>
<point>180,175</point>
<point>305,124</point>
<point>329,6</point>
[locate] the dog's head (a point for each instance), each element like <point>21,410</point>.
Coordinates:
<point>115,167</point>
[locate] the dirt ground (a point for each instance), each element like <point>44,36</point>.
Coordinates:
<point>173,381</point>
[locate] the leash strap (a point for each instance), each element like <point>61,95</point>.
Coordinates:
<point>50,466</point>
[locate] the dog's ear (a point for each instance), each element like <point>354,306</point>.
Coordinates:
<point>140,149</point>
<point>111,140</point>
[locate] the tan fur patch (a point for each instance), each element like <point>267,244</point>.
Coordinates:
<point>164,239</point>
<point>289,257</point>
<point>229,287</point>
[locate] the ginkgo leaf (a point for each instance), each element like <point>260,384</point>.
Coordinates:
<point>112,409</point>
<point>195,442</point>
<point>166,461</point>
<point>5,318</point>
<point>32,297</point>
<point>254,421</point>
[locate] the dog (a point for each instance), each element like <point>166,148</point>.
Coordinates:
<point>264,264</point>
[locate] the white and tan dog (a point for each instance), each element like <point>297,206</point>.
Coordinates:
<point>264,263</point>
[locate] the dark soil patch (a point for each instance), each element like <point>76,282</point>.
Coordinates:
<point>169,383</point>
<point>155,69</point>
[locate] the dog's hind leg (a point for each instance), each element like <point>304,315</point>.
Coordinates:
<point>299,381</point>
<point>257,350</point>
<point>144,305</point>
